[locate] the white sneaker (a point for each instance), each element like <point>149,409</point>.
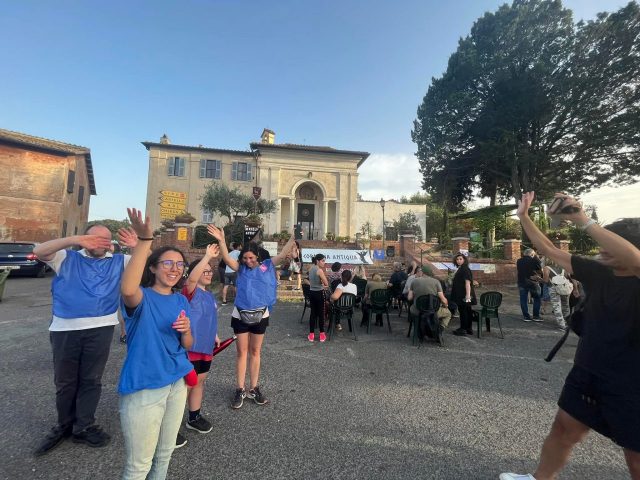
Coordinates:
<point>515,476</point>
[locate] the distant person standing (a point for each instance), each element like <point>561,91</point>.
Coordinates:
<point>529,269</point>
<point>86,296</point>
<point>229,273</point>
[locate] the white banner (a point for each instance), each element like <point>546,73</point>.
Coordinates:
<point>353,257</point>
<point>271,247</point>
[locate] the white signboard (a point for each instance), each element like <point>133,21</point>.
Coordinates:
<point>271,247</point>
<point>353,257</point>
<point>484,267</point>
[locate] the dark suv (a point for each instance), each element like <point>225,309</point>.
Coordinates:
<point>20,259</point>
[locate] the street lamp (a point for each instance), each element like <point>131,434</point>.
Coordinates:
<point>382,205</point>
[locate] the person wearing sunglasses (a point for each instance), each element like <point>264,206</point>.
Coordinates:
<point>152,387</point>
<point>204,329</point>
<point>255,296</point>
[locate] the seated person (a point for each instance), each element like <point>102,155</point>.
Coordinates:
<point>425,284</point>
<point>333,277</point>
<point>359,272</point>
<point>345,286</point>
<point>284,272</point>
<point>375,283</point>
<point>411,271</point>
<point>395,282</point>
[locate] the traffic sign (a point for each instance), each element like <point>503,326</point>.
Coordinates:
<point>169,193</point>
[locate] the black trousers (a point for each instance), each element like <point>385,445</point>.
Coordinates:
<point>466,320</point>
<point>316,298</point>
<point>366,309</point>
<point>79,358</point>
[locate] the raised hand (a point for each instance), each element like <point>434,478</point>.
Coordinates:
<point>142,228</point>
<point>212,251</point>
<point>127,237</point>
<point>525,204</point>
<point>216,233</point>
<point>577,216</point>
<point>182,323</point>
<point>94,242</point>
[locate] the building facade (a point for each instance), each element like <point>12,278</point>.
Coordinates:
<point>313,186</point>
<point>45,189</point>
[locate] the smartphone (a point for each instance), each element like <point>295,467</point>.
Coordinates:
<point>555,208</point>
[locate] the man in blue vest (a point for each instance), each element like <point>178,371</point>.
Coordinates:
<point>86,296</point>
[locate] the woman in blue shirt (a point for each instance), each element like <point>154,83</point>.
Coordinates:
<point>255,295</point>
<point>152,388</point>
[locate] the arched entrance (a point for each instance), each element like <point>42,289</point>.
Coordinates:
<point>308,199</point>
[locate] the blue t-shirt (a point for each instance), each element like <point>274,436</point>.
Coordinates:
<point>155,357</point>
<point>204,321</point>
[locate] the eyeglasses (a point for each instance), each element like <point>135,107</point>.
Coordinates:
<point>208,273</point>
<point>169,264</point>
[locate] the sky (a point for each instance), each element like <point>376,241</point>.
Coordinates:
<point>342,73</point>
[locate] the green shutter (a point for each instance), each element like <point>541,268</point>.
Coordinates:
<point>203,168</point>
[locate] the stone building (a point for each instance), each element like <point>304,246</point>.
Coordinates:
<point>45,189</point>
<point>314,186</point>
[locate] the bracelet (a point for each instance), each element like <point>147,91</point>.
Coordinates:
<point>146,239</point>
<point>588,224</point>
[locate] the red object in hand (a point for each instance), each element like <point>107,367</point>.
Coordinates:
<point>191,378</point>
<point>223,344</point>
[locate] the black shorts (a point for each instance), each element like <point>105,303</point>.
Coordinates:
<point>201,366</point>
<point>611,410</point>
<point>257,328</point>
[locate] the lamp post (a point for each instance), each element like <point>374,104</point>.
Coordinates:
<point>383,235</point>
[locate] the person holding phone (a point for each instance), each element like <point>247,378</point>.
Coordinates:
<point>602,390</point>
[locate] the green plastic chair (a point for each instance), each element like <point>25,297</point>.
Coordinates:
<point>343,307</point>
<point>361,285</point>
<point>427,306</point>
<point>379,305</point>
<point>490,303</point>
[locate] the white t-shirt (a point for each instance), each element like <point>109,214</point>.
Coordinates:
<point>349,288</point>
<point>67,324</point>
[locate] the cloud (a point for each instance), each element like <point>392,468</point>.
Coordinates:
<point>389,176</point>
<point>615,202</point>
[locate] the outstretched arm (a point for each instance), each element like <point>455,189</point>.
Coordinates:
<point>47,250</point>
<point>218,234</point>
<point>130,285</point>
<point>286,250</point>
<point>539,239</point>
<point>192,282</point>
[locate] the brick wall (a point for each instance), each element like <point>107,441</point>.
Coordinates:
<point>33,195</point>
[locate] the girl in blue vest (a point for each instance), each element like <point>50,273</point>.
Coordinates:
<point>204,328</point>
<point>255,296</point>
<point>152,388</point>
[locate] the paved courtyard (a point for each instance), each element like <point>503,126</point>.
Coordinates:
<point>376,408</point>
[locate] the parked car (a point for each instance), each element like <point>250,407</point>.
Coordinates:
<point>20,259</point>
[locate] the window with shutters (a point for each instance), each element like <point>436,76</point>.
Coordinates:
<point>175,167</point>
<point>210,168</point>
<point>241,171</point>
<point>80,194</point>
<point>207,216</point>
<point>71,180</point>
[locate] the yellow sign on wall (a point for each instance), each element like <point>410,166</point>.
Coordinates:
<point>172,204</point>
<point>182,234</point>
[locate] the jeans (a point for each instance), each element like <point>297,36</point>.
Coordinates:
<point>150,422</point>
<point>524,306</point>
<point>79,358</point>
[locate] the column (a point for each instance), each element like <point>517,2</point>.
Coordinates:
<point>337,226</point>
<point>325,218</point>
<point>292,209</point>
<point>278,226</point>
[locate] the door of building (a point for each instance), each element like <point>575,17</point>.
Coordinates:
<point>306,215</point>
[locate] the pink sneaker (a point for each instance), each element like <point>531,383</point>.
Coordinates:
<point>323,337</point>
<point>311,337</point>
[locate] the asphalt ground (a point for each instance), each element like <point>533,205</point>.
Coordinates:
<point>375,408</point>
